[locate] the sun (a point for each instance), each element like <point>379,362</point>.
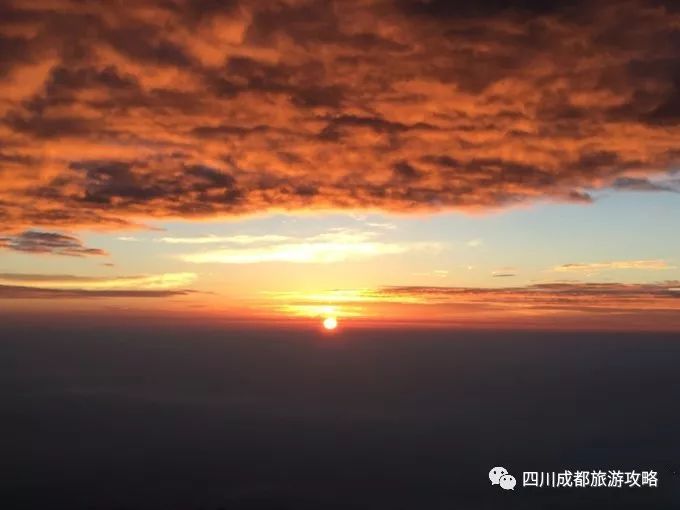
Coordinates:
<point>330,323</point>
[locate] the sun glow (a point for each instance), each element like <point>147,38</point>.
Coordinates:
<point>330,323</point>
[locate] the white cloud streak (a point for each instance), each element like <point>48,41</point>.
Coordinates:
<point>654,265</point>
<point>213,239</point>
<point>337,245</point>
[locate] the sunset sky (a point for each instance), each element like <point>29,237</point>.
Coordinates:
<point>438,162</point>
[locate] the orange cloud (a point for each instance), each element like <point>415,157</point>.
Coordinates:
<point>115,113</point>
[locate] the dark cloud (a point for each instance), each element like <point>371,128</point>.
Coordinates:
<point>199,109</point>
<point>669,289</point>
<point>52,243</point>
<point>668,112</point>
<point>209,178</point>
<point>42,278</point>
<point>403,170</point>
<point>19,292</point>
<point>13,50</point>
<point>224,131</point>
<point>485,8</point>
<point>54,127</point>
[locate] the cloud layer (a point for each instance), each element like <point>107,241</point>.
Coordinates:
<point>129,111</point>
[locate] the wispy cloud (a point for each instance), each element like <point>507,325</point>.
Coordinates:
<point>386,226</point>
<point>474,243</point>
<point>336,245</point>
<point>65,281</point>
<point>214,239</point>
<point>19,292</point>
<point>654,265</point>
<point>437,273</point>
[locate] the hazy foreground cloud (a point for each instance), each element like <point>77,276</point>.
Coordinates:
<point>190,109</point>
<point>52,243</point>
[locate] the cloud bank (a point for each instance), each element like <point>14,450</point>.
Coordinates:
<point>120,112</point>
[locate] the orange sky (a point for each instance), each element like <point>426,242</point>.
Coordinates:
<point>433,161</point>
